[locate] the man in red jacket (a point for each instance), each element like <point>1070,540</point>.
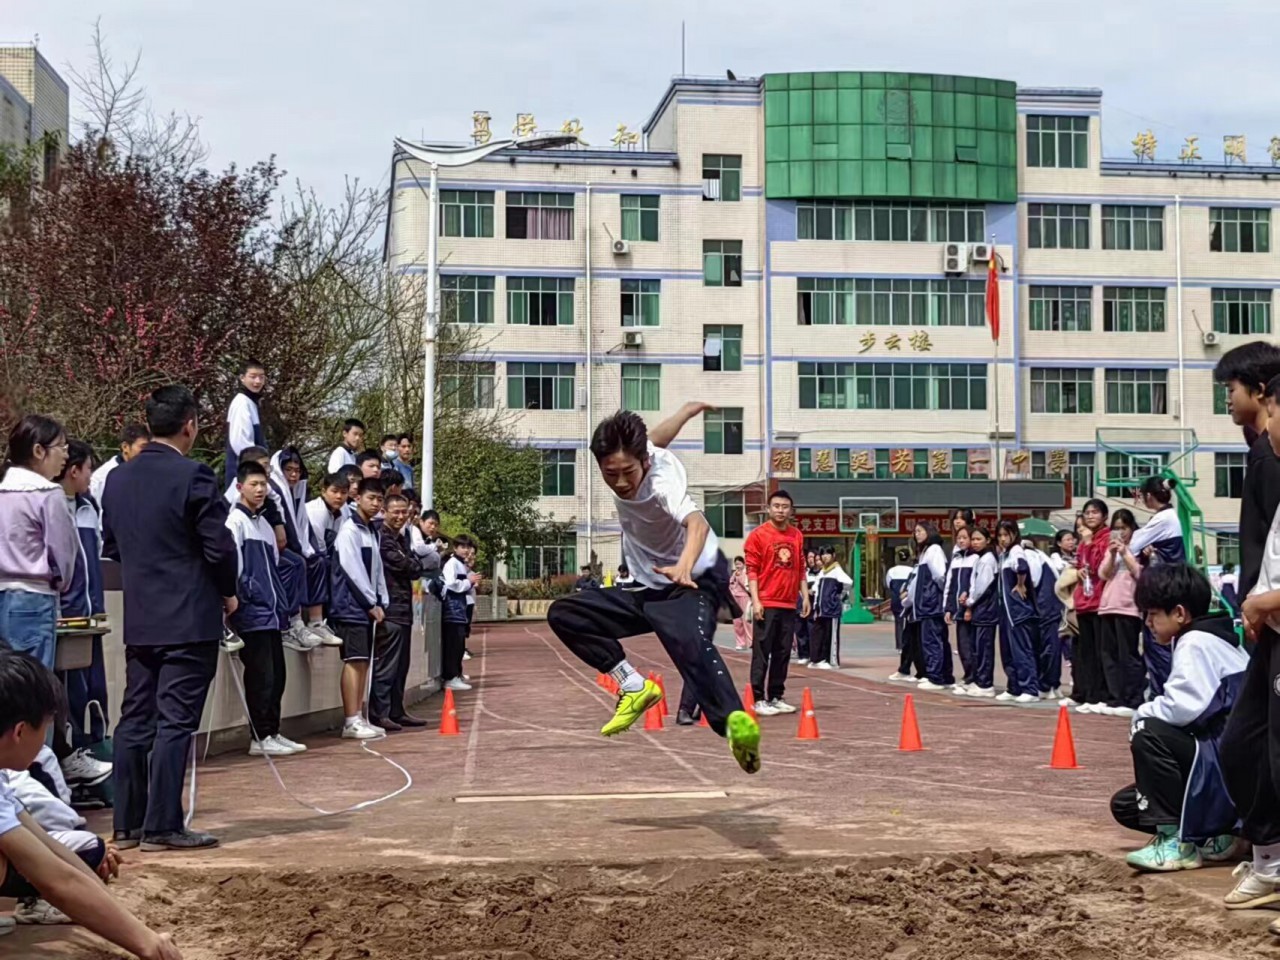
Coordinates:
<point>776,572</point>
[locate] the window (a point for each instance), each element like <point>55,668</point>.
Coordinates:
<point>466,299</point>
<point>641,386</point>
<point>1228,475</point>
<point>466,213</point>
<point>1133,309</point>
<point>1061,390</point>
<point>1220,399</point>
<point>823,301</point>
<point>556,559</point>
<point>721,177</point>
<point>558,468</point>
<point>933,303</point>
<point>722,263</point>
<point>467,385</point>
<point>1061,309</point>
<point>539,216</point>
<point>726,514</point>
<point>1058,226</point>
<point>894,222</point>
<point>540,301</point>
<point>1132,228</point>
<point>639,217</point>
<point>1084,468</point>
<point>1137,391</point>
<point>1242,311</point>
<point>540,386</point>
<point>1228,548</point>
<point>1058,142</point>
<point>722,430</point>
<point>1239,230</point>
<point>722,348</point>
<point>893,386</point>
<point>641,300</point>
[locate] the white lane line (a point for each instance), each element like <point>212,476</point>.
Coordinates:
<point>587,797</point>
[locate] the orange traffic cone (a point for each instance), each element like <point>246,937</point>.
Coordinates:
<point>909,740</point>
<point>702,721</point>
<point>602,681</point>
<point>749,702</point>
<point>653,717</point>
<point>449,717</point>
<point>1064,745</point>
<point>663,702</point>
<point>808,729</point>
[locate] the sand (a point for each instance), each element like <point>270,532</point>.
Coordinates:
<point>1064,907</point>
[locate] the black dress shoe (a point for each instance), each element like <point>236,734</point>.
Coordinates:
<point>684,718</point>
<point>409,720</point>
<point>178,840</point>
<point>126,839</point>
<point>388,725</point>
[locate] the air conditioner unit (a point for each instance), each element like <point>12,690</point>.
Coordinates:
<point>582,398</point>
<point>980,253</point>
<point>632,338</point>
<point>955,258</point>
<point>1210,338</point>
<point>621,248</point>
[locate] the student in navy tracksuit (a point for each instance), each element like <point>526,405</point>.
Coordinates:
<point>323,514</point>
<point>830,588</point>
<point>981,605</point>
<point>804,625</point>
<point>1159,541</point>
<point>262,614</point>
<point>959,576</point>
<point>1019,623</point>
<point>84,598</point>
<point>926,603</point>
<point>459,583</point>
<point>895,583</point>
<point>244,420</point>
<point>289,485</point>
<point>1048,644</point>
<point>357,602</point>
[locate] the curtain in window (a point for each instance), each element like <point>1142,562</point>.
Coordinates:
<point>544,223</point>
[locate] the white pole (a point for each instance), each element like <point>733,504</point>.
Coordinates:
<point>995,379</point>
<point>1182,376</point>
<point>587,374</point>
<point>430,322</point>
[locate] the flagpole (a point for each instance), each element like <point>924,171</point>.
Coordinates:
<point>995,377</point>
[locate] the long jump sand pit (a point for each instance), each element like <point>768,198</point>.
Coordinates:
<point>1059,907</point>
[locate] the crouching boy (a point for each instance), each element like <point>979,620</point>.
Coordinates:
<point>1179,795</point>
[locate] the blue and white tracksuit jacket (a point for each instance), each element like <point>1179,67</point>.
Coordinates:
<point>261,594</point>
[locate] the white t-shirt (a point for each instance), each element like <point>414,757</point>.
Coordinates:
<point>1269,576</point>
<point>653,534</point>
<point>9,808</point>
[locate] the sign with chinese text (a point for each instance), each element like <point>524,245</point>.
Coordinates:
<point>979,462</point>
<point>784,463</point>
<point>940,462</point>
<point>902,462</point>
<point>1017,465</point>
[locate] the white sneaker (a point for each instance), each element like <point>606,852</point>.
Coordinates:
<point>297,638</point>
<point>291,744</point>
<point>1120,711</point>
<point>466,654</point>
<point>900,676</point>
<point>230,642</point>
<point>7,925</point>
<point>327,637</point>
<point>1252,890</point>
<point>457,683</point>
<point>781,706</point>
<point>38,912</point>
<point>961,690</point>
<point>1054,694</point>
<point>268,747</point>
<point>984,693</point>
<point>359,731</point>
<point>930,685</point>
<point>1068,702</point>
<point>802,660</point>
<point>824,665</point>
<point>1088,708</point>
<point>1026,698</point>
<point>1005,697</point>
<point>81,769</point>
<point>764,708</point>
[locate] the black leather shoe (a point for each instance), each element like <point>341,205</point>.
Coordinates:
<point>178,840</point>
<point>409,720</point>
<point>684,718</point>
<point>387,724</point>
<point>126,839</point>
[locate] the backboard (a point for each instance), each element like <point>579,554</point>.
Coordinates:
<point>1131,454</point>
<point>869,515</point>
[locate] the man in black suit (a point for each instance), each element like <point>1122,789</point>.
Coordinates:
<point>164,522</point>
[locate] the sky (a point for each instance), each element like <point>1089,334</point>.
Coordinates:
<point>325,85</point>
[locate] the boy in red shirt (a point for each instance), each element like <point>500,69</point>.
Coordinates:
<point>776,572</point>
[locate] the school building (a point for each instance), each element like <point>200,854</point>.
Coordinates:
<point>34,104</point>
<point>810,252</point>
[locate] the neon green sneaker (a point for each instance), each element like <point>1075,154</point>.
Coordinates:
<point>631,707</point>
<point>1164,854</point>
<point>743,734</point>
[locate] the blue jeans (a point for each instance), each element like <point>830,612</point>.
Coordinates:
<point>29,623</point>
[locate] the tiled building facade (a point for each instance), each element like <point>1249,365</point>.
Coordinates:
<point>34,102</point>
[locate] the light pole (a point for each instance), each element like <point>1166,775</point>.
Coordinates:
<point>436,157</point>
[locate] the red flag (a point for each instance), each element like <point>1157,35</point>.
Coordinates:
<point>993,298</point>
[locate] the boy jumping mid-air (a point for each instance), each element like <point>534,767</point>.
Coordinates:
<point>681,580</point>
